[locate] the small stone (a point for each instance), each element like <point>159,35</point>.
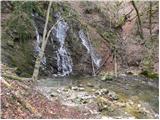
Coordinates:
<point>65,89</point>
<point>81,89</point>
<point>90,85</point>
<point>80,85</point>
<point>74,88</point>
<point>58,90</point>
<point>139,105</point>
<point>129,72</point>
<point>97,92</point>
<point>53,95</point>
<point>112,95</point>
<point>123,75</point>
<point>85,102</point>
<point>104,91</point>
<point>131,102</point>
<point>93,90</point>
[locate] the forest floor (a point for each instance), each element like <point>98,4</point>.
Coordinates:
<point>81,98</point>
<point>40,106</point>
<point>19,99</point>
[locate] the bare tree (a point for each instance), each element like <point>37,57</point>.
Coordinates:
<point>44,42</point>
<point>150,18</point>
<point>139,20</point>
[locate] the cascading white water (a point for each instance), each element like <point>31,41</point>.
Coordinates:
<point>64,61</point>
<point>96,59</point>
<point>37,46</point>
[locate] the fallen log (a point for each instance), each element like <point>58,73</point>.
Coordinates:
<point>15,77</point>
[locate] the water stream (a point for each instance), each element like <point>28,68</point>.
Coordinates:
<point>90,50</point>
<point>64,61</point>
<point>132,91</point>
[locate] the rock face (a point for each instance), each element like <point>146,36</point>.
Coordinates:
<point>66,52</point>
<point>88,37</point>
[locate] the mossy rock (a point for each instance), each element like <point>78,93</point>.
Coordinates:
<point>150,74</point>
<point>107,76</point>
<point>103,104</point>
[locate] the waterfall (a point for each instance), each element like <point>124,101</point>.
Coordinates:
<point>62,65</point>
<point>90,50</point>
<point>64,61</point>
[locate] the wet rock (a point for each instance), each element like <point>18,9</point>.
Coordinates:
<point>112,95</point>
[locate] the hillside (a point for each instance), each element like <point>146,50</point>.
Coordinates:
<point>71,55</point>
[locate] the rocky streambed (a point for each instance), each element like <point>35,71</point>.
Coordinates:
<point>123,97</point>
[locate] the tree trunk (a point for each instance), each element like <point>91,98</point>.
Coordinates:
<point>139,20</point>
<point>115,64</point>
<point>44,42</point>
<point>93,69</point>
<point>150,18</point>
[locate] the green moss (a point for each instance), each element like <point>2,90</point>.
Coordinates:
<point>150,74</point>
<point>109,35</point>
<point>121,22</point>
<point>19,55</point>
<point>135,111</point>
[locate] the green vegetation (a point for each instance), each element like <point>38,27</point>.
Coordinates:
<point>150,74</point>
